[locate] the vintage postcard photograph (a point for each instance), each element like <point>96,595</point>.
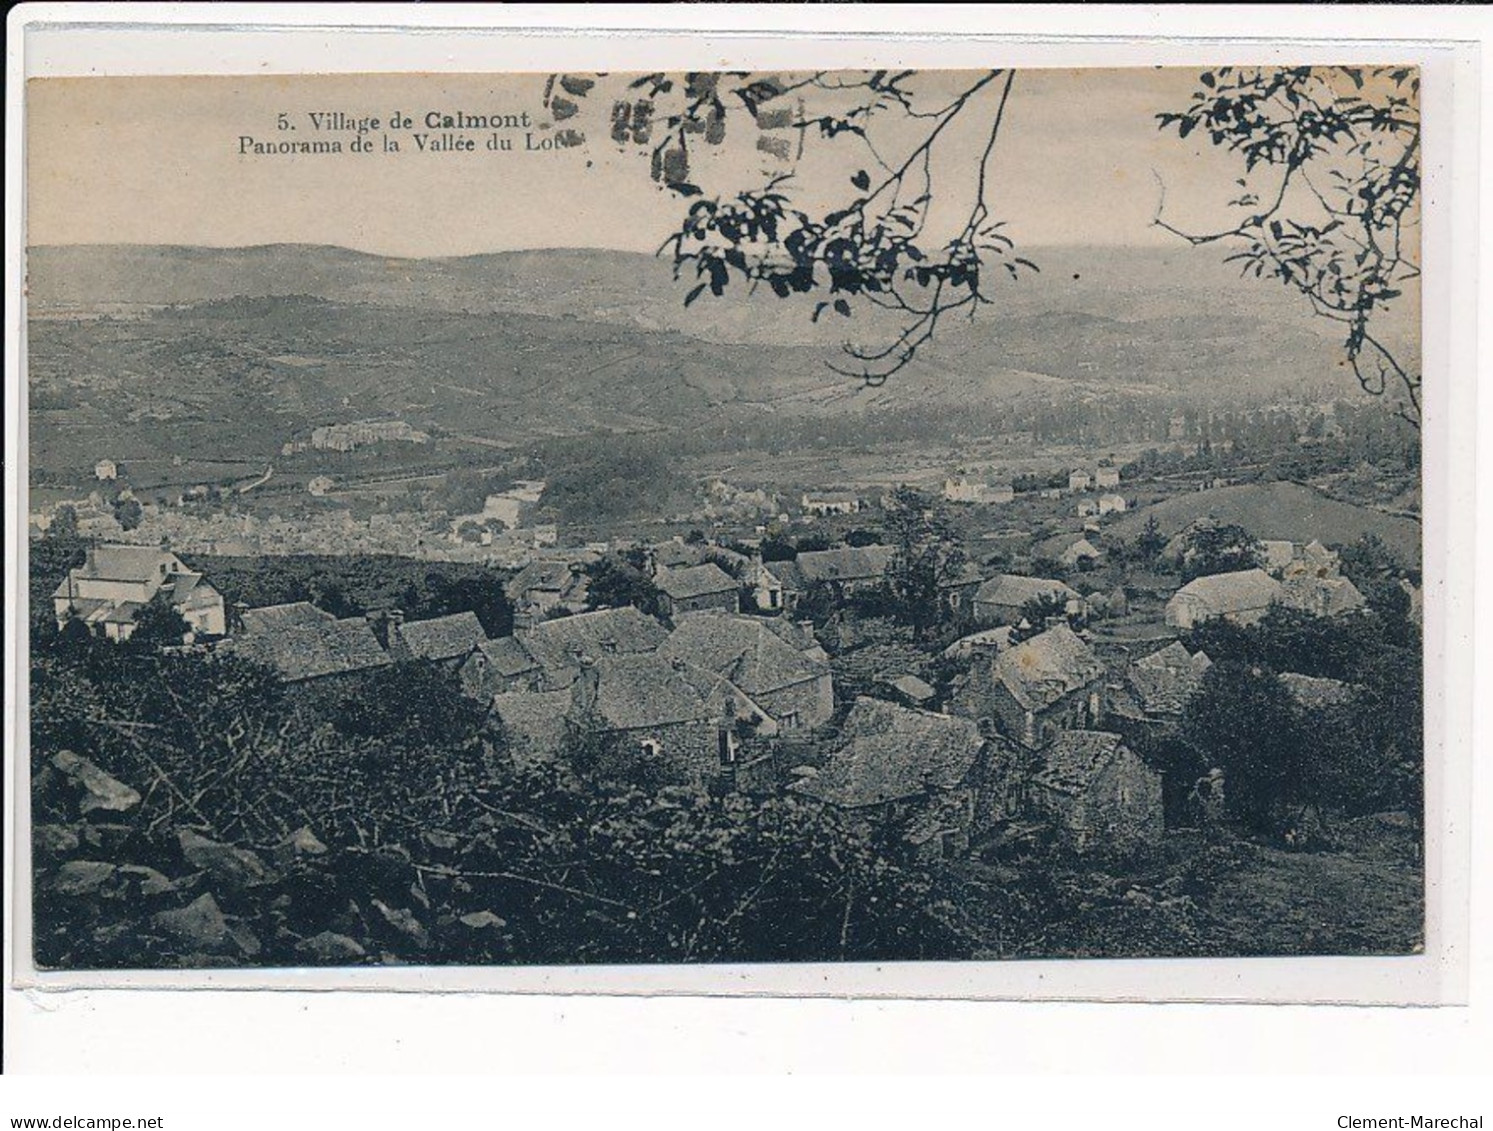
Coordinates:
<point>741,517</point>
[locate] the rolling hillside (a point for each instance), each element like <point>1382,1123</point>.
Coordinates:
<point>202,350</point>
<point>1279,510</point>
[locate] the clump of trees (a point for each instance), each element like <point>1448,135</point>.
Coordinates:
<point>383,820</point>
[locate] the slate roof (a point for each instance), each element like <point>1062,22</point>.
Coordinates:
<point>849,563</point>
<point>694,581</point>
<point>744,650</point>
<point>507,655</point>
<point>1012,591</point>
<point>129,563</point>
<point>268,618</point>
<point>637,692</point>
<point>546,573</point>
<point>1040,671</point>
<point>912,687</point>
<point>308,651</point>
<point>1321,596</point>
<point>889,753</point>
<point>1164,681</point>
<point>1066,547</point>
<point>1074,758</point>
<point>555,644</point>
<point>1244,590</point>
<point>535,717</point>
<point>439,638</point>
<point>998,639</point>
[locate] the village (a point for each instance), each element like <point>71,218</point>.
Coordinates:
<point>1039,691</point>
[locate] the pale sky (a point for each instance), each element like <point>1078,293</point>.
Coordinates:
<point>157,160</point>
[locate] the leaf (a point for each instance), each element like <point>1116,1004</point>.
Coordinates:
<point>694,294</point>
<point>842,307</point>
<point>861,180</point>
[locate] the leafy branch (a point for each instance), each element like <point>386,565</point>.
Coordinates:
<point>1335,219</point>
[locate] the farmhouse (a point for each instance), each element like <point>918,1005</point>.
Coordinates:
<point>846,570</point>
<point>447,640</point>
<point>1000,600</point>
<point>1079,480</point>
<point>696,589</point>
<point>791,685</point>
<point>912,774</point>
<point>1243,597</point>
<point>496,666</point>
<point>560,647</point>
<point>1042,686</point>
<point>821,504</point>
<point>1321,596</point>
<point>659,719</point>
<point>1098,793</point>
<point>312,650</point>
<point>545,585</point>
<point>114,583</point>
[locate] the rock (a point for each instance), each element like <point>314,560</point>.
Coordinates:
<point>82,877</point>
<point>331,947</point>
<point>299,844</point>
<point>151,882</point>
<point>483,920</point>
<point>235,866</point>
<point>54,840</point>
<point>245,939</point>
<point>199,925</point>
<point>403,921</point>
<point>100,791</point>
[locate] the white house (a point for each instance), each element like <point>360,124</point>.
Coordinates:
<point>830,504</point>
<point>1112,504</point>
<point>111,587</point>
<point>1106,476</point>
<point>1078,480</point>
<point>106,469</point>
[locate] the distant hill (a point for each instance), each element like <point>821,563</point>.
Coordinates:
<point>1280,510</point>
<point>189,349</point>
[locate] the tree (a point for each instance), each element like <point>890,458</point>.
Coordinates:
<point>615,584</point>
<point>1039,613</point>
<point>64,525</point>
<point>1219,548</point>
<point>880,248</point>
<point>1242,721</point>
<point>928,553</point>
<point>128,513</point>
<point>1150,542</point>
<point>1329,200</point>
<point>481,596</point>
<point>158,623</point>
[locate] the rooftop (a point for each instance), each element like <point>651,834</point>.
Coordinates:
<point>889,753</point>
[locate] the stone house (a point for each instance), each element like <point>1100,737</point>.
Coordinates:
<point>827,504</point>
<point>768,593</point>
<point>115,582</point>
<point>1098,793</point>
<point>694,589</point>
<point>846,570</point>
<point>303,651</point>
<point>448,640</point>
<point>1106,475</point>
<point>1321,596</point>
<point>789,682</point>
<point>1079,480</point>
<point>1243,597</point>
<point>545,585</point>
<point>497,666</point>
<point>534,723</point>
<point>909,778</point>
<point>1045,685</point>
<point>1112,504</point>
<point>269,618</point>
<point>560,647</point>
<point>663,721</point>
<point>1002,599</point>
